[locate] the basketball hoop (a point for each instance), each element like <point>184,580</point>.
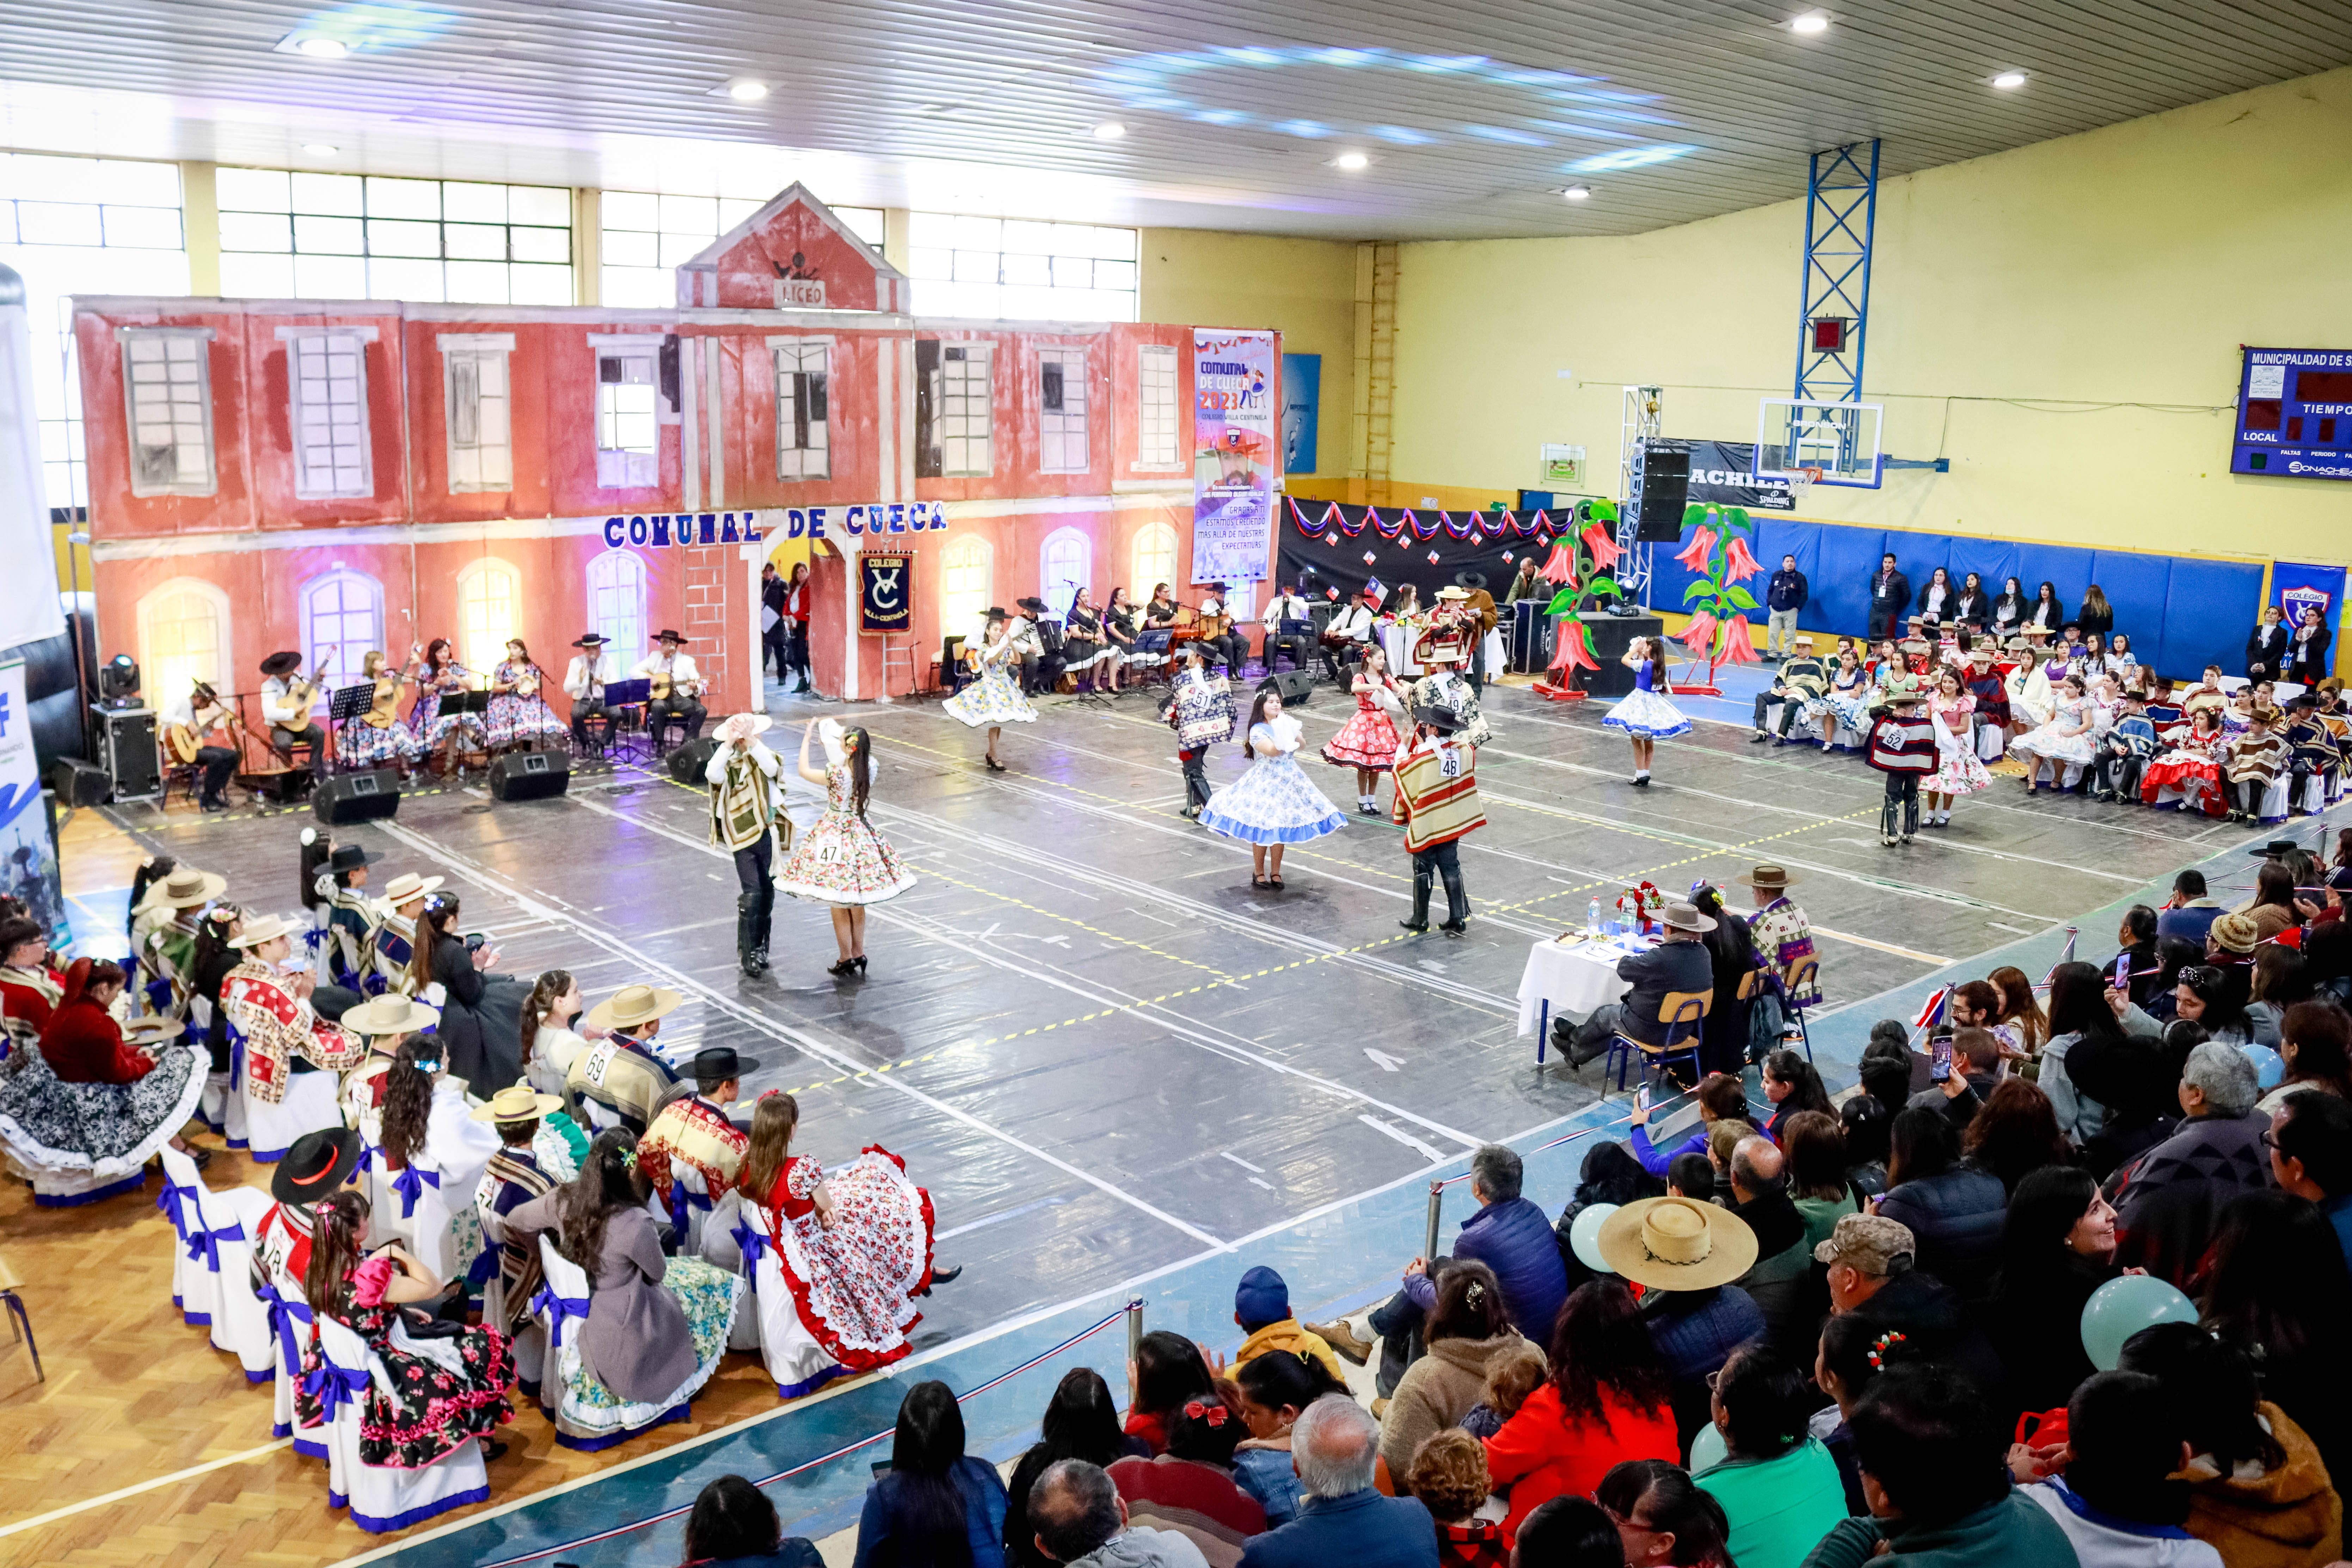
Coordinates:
<point>1800,482</point>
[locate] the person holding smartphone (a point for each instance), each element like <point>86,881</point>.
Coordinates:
<point>481,1013</point>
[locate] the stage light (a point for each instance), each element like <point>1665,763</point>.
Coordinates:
<point>1109,131</point>
<point>320,149</point>
<point>1578,192</point>
<point>2008,80</point>
<point>747,91</point>
<point>1351,162</point>
<point>117,681</point>
<point>1811,23</point>
<point>322,48</point>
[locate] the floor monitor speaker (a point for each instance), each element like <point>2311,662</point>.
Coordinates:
<point>368,797</point>
<point>531,775</point>
<point>79,783</point>
<point>1293,686</point>
<point>687,763</point>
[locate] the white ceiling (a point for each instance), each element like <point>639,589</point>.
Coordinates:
<point>1474,115</point>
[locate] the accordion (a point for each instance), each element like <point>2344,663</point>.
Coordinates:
<point>1201,712</point>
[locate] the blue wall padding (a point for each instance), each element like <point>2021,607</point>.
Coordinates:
<point>2182,613</point>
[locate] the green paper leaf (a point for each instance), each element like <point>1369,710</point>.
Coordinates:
<point>1739,597</point>
<point>1693,515</point>
<point>1604,588</point>
<point>1697,591</point>
<point>1737,517</point>
<point>1605,512</point>
<point>1561,602</point>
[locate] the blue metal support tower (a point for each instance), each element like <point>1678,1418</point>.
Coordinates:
<point>1840,211</point>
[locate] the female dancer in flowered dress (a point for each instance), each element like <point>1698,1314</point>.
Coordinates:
<point>1367,742</point>
<point>843,860</point>
<point>1950,709</point>
<point>519,711</point>
<point>1273,804</point>
<point>1844,703</point>
<point>440,675</point>
<point>2064,742</point>
<point>994,699</point>
<point>435,1395</point>
<point>2187,771</point>
<point>380,738</point>
<point>1643,714</point>
<point>853,1243</point>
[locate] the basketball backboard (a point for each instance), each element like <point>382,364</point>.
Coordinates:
<point>1838,442</point>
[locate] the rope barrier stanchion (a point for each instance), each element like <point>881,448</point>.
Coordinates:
<point>1436,1206</point>
<point>1133,1312</point>
<point>1135,1330</point>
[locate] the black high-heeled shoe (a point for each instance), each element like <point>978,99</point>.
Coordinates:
<point>993,765</point>
<point>860,961</point>
<point>847,966</point>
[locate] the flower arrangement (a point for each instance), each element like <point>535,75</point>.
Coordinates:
<point>1718,629</point>
<point>1641,905</point>
<point>1579,569</point>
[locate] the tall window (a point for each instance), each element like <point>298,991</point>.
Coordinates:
<point>1155,428</point>
<point>616,604</point>
<point>82,225</point>
<point>342,622</point>
<point>184,637</point>
<point>990,268</point>
<point>487,618</point>
<point>1062,411</point>
<point>1068,562</point>
<point>628,426</point>
<point>965,583</point>
<point>350,237</point>
<point>475,398</point>
<point>803,447</point>
<point>645,237</point>
<point>1155,558</point>
<point>965,408</point>
<point>167,387</point>
<point>327,372</point>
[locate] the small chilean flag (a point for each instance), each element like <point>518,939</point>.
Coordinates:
<point>1933,1013</point>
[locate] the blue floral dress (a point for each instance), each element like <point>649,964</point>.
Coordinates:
<point>1646,714</point>
<point>996,697</point>
<point>516,717</point>
<point>431,729</point>
<point>1274,803</point>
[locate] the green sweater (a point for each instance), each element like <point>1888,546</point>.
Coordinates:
<point>1778,1509</point>
<point>2011,1533</point>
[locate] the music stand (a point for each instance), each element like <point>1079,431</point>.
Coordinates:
<point>345,704</point>
<point>631,695</point>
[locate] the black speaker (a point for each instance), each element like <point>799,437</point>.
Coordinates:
<point>1612,636</point>
<point>1293,686</point>
<point>357,798</point>
<point>78,783</point>
<point>531,775</point>
<point>126,749</point>
<point>688,763</point>
<point>1666,491</point>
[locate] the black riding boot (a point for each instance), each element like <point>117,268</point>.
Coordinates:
<point>747,951</point>
<point>1457,902</point>
<point>1423,878</point>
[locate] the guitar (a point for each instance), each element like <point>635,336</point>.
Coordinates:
<point>660,684</point>
<point>180,741</point>
<point>384,711</point>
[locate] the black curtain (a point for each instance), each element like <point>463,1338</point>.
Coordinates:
<point>1330,551</point>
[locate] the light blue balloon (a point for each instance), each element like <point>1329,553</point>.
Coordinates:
<point>1584,1236</point>
<point>2270,1068</point>
<point>1707,1449</point>
<point>2122,1308</point>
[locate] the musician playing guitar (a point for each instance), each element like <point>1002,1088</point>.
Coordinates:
<point>200,728</point>
<point>381,738</point>
<point>1217,631</point>
<point>676,689</point>
<point>591,671</point>
<point>1348,634</point>
<point>286,701</point>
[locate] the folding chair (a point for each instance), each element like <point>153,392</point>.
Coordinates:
<point>1804,979</point>
<point>1755,987</point>
<point>383,1498</point>
<point>1683,1015</point>
<point>21,1325</point>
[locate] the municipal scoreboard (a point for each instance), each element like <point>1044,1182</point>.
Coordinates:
<point>2295,413</point>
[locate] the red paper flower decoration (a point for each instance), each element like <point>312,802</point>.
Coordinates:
<point>1739,565</point>
<point>1603,546</point>
<point>1693,556</point>
<point>1739,647</point>
<point>1560,570</point>
<point>1699,635</point>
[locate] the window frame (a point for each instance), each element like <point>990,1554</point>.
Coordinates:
<point>1053,404</point>
<point>1168,459</point>
<point>222,614</point>
<point>305,484</point>
<point>793,457</point>
<point>1142,578</point>
<point>627,468</point>
<point>950,565</point>
<point>968,349</point>
<point>473,572</point>
<point>456,346</point>
<point>619,564</point>
<point>345,577</point>
<point>1046,581</point>
<point>129,338</point>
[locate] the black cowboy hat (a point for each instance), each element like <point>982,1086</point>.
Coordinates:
<point>666,635</point>
<point>720,1062</point>
<point>1034,606</point>
<point>278,663</point>
<point>318,1165</point>
<point>347,857</point>
<point>592,639</point>
<point>1440,716</point>
<point>1474,581</point>
<point>996,613</point>
<point>2274,848</point>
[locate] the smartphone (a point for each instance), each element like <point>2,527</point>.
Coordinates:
<point>474,940</point>
<point>1939,1057</point>
<point>2122,970</point>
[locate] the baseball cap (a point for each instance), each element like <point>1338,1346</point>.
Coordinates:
<point>1867,1242</point>
<point>1262,1297</point>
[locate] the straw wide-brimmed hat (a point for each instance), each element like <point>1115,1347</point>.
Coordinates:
<point>153,1031</point>
<point>388,1015</point>
<point>517,1102</point>
<point>1453,592</point>
<point>1676,1244</point>
<point>741,727</point>
<point>185,889</point>
<point>632,1006</point>
<point>1683,915</point>
<point>260,929</point>
<point>406,885</point>
<point>1768,877</point>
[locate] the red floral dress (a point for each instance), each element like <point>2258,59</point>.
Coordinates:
<point>1370,739</point>
<point>854,1282</point>
<point>447,1391</point>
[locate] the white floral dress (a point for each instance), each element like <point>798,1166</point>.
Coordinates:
<point>843,858</point>
<point>2053,742</point>
<point>853,1281</point>
<point>1274,803</point>
<point>1958,772</point>
<point>996,697</point>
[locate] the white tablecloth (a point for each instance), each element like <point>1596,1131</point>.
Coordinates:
<point>1397,642</point>
<point>1571,977</point>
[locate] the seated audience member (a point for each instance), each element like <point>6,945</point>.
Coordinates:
<point>1721,1140</point>
<point>1510,1378</point>
<point>2189,912</point>
<point>1081,1422</point>
<point>1609,1398</point>
<point>2080,1019</point>
<point>2273,1287</point>
<point>1684,1256</point>
<point>2016,1133</point>
<point>1681,962</point>
<point>2311,1155</point>
<point>1868,1129</point>
<point>2279,982</point>
<point>1690,1176</point>
<point>1508,1234</point>
<point>1818,1183</point>
<point>1276,1390</point>
<point>1169,1370</point>
<point>2057,1246</point>
<point>1852,1352</point>
<point>2118,1501</point>
<point>1342,1519</point>
<point>1610,1174</point>
<point>1721,1096</point>
<point>1568,1532</point>
<point>1465,1332</point>
<point>1975,1073</point>
<point>2165,1201</point>
<point>1870,1261</point>
<point>935,1503</point>
<point>1190,1490</point>
<point>1076,1517</point>
<point>732,1522</point>
<point>1262,1309</point>
<point>1930,1456</point>
<point>2315,1045</point>
<point>1793,1086</point>
<point>2257,1491</point>
<point>1780,1280</point>
<point>1952,1208</point>
<point>1662,1519</point>
<point>1779,1487</point>
<point>695,1131</point>
<point>2213,996</point>
<point>1448,1474</point>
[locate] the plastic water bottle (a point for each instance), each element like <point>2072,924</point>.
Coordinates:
<point>1593,920</point>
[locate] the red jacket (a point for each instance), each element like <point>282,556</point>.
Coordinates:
<point>1541,1453</point>
<point>84,1045</point>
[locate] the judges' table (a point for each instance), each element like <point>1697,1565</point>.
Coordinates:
<point>1573,976</point>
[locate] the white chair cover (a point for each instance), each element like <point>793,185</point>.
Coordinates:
<point>290,1335</point>
<point>529,1337</point>
<point>383,1498</point>
<point>308,1106</point>
<point>2275,799</point>
<point>795,1360</point>
<point>241,1318</point>
<point>196,1285</point>
<point>562,1307</point>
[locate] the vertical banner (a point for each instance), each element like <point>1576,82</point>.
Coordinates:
<point>29,611</point>
<point>885,594</point>
<point>28,859</point>
<point>1302,409</point>
<point>1234,455</point>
